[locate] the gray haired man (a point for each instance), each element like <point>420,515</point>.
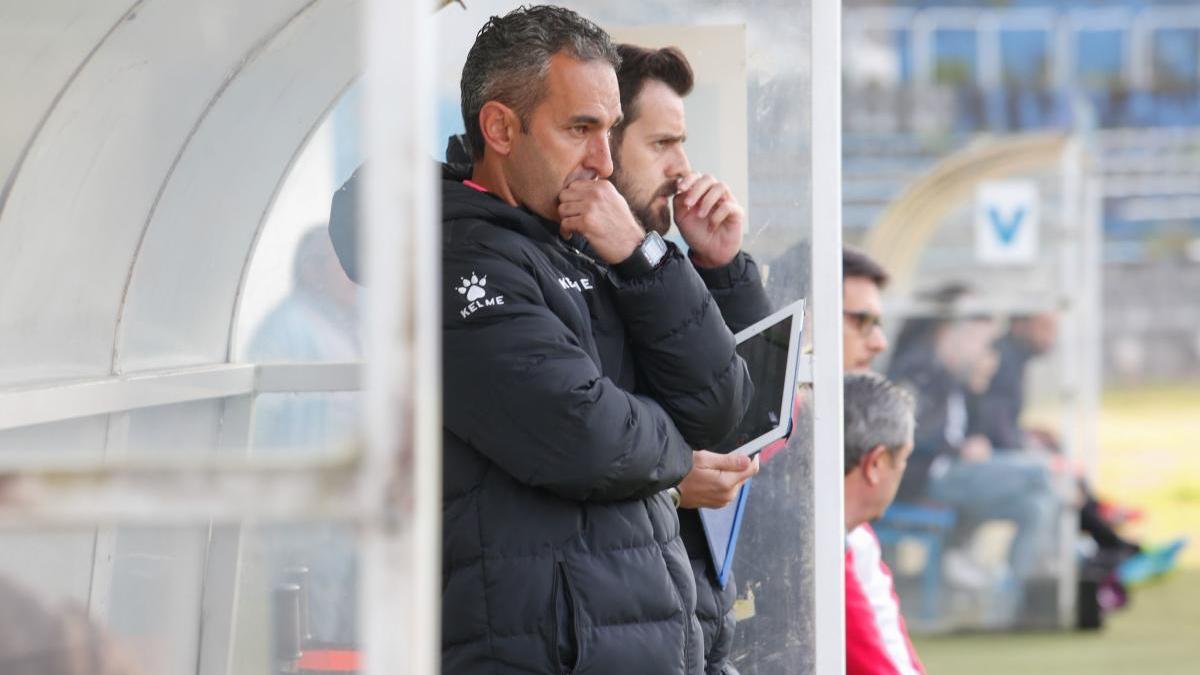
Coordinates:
<point>878,441</point>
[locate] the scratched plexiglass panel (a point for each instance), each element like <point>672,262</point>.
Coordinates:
<point>231,598</point>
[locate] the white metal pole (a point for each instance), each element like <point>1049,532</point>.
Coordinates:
<point>401,472</point>
<point>990,59</point>
<point>829,525</point>
<point>1071,294</point>
<point>1093,312</point>
<point>1064,54</point>
<point>922,50</point>
<point>1141,52</point>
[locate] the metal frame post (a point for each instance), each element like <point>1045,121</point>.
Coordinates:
<point>400,477</point>
<point>829,521</point>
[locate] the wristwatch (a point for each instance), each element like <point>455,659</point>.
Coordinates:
<point>674,494</point>
<point>645,258</point>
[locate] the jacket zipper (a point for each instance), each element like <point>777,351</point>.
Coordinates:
<point>561,584</point>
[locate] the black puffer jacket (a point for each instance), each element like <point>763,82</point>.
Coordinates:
<point>572,399</point>
<point>739,293</point>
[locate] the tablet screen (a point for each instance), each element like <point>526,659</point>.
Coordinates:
<point>766,356</point>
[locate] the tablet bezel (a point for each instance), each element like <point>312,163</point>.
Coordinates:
<point>788,395</point>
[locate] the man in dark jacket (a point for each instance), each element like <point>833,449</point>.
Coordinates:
<point>583,360</point>
<point>651,167</point>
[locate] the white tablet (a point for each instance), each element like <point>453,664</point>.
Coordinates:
<point>771,350</point>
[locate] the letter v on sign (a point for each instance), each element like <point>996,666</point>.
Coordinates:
<point>1006,222</point>
<point>1006,229</point>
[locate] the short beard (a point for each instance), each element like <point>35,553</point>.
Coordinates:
<point>657,219</point>
<point>651,219</point>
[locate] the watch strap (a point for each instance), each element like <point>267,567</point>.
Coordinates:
<point>644,259</point>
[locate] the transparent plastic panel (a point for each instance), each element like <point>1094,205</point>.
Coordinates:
<point>188,431</point>
<point>53,565</point>
<point>297,304</point>
<point>171,128</point>
<point>296,589</point>
<point>181,600</point>
<point>299,425</point>
<point>305,424</point>
<point>119,600</point>
<point>184,153</point>
<point>748,125</point>
<point>187,155</point>
<point>78,439</point>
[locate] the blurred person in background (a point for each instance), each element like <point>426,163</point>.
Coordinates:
<point>997,411</point>
<point>996,415</point>
<point>944,360</point>
<point>651,170</point>
<point>39,640</point>
<point>878,439</point>
<point>316,322</point>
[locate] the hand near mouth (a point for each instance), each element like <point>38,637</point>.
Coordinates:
<point>595,209</point>
<point>710,220</point>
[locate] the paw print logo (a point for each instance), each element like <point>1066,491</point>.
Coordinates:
<point>473,287</point>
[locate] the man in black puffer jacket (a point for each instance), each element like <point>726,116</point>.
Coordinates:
<point>652,167</point>
<point>583,360</point>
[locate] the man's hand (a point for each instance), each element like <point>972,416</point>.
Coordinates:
<point>710,220</point>
<point>976,449</point>
<point>714,479</point>
<point>595,209</point>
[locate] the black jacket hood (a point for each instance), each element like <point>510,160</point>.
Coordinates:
<point>459,202</point>
<point>463,202</point>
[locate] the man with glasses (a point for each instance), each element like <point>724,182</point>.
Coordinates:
<point>862,333</point>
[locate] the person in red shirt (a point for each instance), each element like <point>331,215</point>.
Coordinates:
<point>878,440</point>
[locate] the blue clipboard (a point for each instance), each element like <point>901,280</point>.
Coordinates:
<point>721,527</point>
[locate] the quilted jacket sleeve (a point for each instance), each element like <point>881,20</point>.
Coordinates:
<point>738,291</point>
<point>685,354</point>
<point>519,389</point>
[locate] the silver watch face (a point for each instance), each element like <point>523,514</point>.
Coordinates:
<point>654,248</point>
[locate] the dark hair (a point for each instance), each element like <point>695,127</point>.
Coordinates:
<point>511,56</point>
<point>875,412</point>
<point>639,64</point>
<point>855,263</point>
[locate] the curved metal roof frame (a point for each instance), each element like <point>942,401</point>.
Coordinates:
<point>902,231</point>
<point>144,146</point>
